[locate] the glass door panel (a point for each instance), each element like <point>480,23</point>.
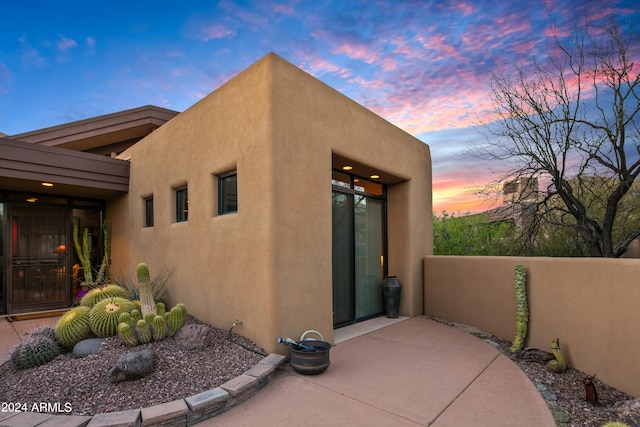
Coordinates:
<point>343,272</point>
<point>369,256</point>
<point>38,258</point>
<point>358,257</point>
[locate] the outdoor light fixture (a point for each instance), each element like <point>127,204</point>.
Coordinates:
<point>374,176</point>
<point>47,184</point>
<point>347,168</point>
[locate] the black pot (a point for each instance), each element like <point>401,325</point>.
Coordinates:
<point>391,289</point>
<point>311,358</point>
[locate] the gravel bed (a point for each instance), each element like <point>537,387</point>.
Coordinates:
<point>83,385</point>
<point>565,391</point>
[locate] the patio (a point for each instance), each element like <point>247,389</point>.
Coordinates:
<point>387,372</point>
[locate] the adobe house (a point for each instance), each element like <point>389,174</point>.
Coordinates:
<point>277,202</point>
<point>48,178</point>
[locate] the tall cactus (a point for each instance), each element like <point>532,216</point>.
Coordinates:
<point>84,254</point>
<point>522,313</point>
<point>148,304</point>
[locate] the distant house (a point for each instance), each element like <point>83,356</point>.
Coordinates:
<point>276,201</point>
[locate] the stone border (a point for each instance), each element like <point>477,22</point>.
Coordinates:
<point>182,412</point>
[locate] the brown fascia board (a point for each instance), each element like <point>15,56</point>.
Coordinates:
<point>84,135</point>
<point>24,166</point>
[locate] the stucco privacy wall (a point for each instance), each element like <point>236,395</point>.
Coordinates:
<point>590,304</point>
<point>269,265</point>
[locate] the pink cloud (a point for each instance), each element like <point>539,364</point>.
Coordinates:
<point>217,31</point>
<point>466,8</point>
<point>64,44</point>
<point>320,66</point>
<point>282,8</point>
<point>356,51</point>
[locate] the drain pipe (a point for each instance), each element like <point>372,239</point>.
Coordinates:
<point>254,350</point>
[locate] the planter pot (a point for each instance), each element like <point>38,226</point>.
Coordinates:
<point>309,362</point>
<point>391,289</point>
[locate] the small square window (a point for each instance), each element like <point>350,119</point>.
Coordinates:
<point>182,204</point>
<point>148,212</point>
<point>228,193</point>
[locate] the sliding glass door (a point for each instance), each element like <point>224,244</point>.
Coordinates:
<point>359,249</point>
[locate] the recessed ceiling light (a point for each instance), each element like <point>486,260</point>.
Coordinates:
<point>347,168</point>
<point>32,200</point>
<point>374,176</point>
<point>47,184</point>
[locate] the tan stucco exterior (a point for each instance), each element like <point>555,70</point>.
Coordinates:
<point>590,304</point>
<point>269,265</point>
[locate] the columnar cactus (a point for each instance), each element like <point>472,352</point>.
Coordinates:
<point>84,254</point>
<point>161,309</point>
<point>144,332</point>
<point>176,318</point>
<point>133,330</point>
<point>73,326</point>
<point>559,364</point>
<point>127,335</point>
<point>148,304</point>
<point>159,328</point>
<point>522,313</point>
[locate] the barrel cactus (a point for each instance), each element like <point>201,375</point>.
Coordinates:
<point>96,295</point>
<point>46,332</point>
<point>104,316</point>
<point>36,350</point>
<point>73,327</point>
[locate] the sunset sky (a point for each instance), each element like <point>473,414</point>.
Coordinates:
<point>425,66</point>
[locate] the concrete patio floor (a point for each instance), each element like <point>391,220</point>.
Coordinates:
<point>415,372</point>
<point>384,372</point>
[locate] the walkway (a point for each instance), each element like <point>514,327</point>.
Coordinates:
<point>413,372</point>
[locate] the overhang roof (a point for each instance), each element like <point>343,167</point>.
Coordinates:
<point>25,166</point>
<point>101,131</point>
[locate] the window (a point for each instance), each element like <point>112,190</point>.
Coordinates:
<point>148,212</point>
<point>182,204</point>
<point>228,193</point>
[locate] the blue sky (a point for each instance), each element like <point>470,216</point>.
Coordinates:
<point>423,65</point>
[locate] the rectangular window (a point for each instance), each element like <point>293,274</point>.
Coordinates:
<point>228,193</point>
<point>148,212</point>
<point>182,204</point>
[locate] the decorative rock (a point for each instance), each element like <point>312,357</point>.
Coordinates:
<point>629,412</point>
<point>86,347</point>
<point>192,337</point>
<point>132,366</point>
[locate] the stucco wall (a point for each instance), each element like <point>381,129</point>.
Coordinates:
<point>269,265</point>
<point>591,305</point>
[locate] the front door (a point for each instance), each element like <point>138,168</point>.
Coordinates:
<point>38,258</point>
<point>359,249</point>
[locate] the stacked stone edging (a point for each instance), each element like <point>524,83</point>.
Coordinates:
<point>182,412</point>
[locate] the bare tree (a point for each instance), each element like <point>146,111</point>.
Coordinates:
<point>571,122</point>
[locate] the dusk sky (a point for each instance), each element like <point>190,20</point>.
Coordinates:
<point>425,66</point>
